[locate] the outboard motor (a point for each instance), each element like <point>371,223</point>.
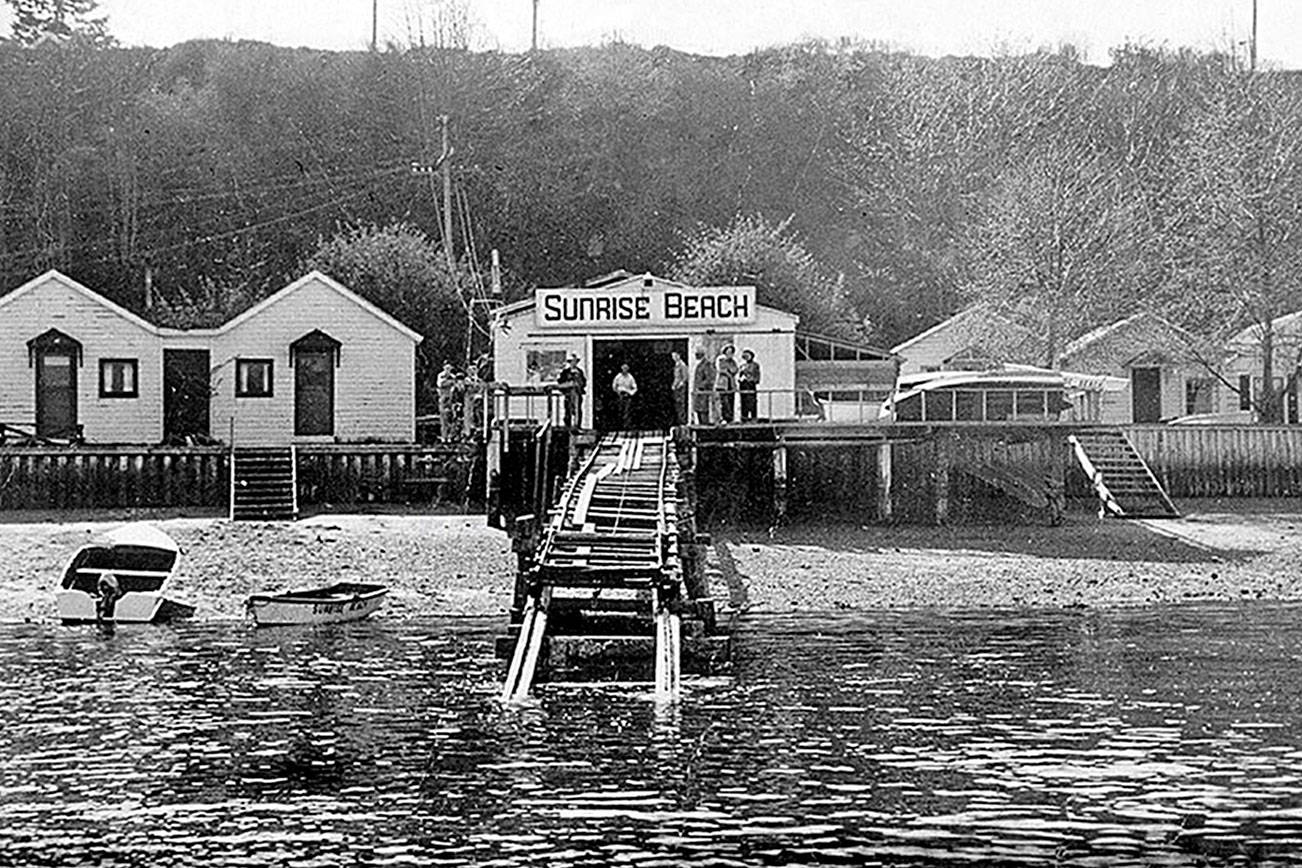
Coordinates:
<point>109,593</point>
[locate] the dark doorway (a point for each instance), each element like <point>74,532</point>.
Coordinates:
<point>56,393</point>
<point>314,393</point>
<point>651,365</point>
<point>187,390</point>
<point>1146,394</point>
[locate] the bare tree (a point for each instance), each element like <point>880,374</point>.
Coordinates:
<point>1235,240</point>
<point>1057,246</point>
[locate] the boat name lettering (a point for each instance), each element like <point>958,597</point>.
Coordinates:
<point>339,606</point>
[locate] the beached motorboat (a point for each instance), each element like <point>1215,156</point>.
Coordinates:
<point>345,601</point>
<point>122,576</point>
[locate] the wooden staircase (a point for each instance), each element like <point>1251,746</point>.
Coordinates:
<point>1124,483</point>
<point>264,484</point>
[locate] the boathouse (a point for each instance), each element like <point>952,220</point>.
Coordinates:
<point>642,320</point>
<point>313,363</point>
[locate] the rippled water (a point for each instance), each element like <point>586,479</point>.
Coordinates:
<point>1156,737</point>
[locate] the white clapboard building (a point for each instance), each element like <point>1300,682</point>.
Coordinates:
<point>314,362</point>
<point>640,321</point>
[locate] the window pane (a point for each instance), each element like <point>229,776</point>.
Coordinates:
<point>1030,403</point>
<point>253,378</point>
<point>967,406</point>
<point>940,406</point>
<point>117,377</point>
<point>999,405</point>
<point>910,409</point>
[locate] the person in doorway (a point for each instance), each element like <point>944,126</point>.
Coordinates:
<point>574,382</point>
<point>748,378</point>
<point>679,386</point>
<point>446,386</point>
<point>702,387</point>
<point>625,388</point>
<point>725,382</point>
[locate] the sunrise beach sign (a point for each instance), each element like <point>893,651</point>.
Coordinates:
<point>660,305</point>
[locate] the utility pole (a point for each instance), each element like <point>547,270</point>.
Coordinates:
<point>447,195</point>
<point>1252,46</point>
<point>375,19</point>
<point>443,164</point>
<point>535,25</point>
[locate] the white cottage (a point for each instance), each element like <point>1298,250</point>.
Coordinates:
<point>640,321</point>
<point>315,362</point>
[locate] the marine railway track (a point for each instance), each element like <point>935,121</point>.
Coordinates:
<point>610,542</point>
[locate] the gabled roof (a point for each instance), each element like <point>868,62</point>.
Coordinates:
<point>334,285</point>
<point>53,276</point>
<point>1102,333</point>
<point>1288,323</point>
<point>975,313</point>
<point>325,280</point>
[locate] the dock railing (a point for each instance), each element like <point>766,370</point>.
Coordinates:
<point>798,404</point>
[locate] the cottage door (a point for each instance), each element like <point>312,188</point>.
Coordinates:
<point>314,393</point>
<point>56,394</point>
<point>187,391</point>
<point>1146,394</point>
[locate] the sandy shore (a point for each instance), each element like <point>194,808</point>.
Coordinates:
<point>448,565</point>
<point>455,565</point>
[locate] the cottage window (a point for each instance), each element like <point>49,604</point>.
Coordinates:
<point>117,378</point>
<point>1198,394</point>
<point>253,378</point>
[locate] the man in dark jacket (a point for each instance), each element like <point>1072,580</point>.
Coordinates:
<point>574,381</point>
<point>702,387</point>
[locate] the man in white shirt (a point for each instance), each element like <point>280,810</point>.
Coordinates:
<point>625,388</point>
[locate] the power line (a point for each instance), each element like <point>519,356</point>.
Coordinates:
<point>274,185</point>
<point>195,242</point>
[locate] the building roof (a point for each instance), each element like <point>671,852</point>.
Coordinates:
<point>325,280</point>
<point>1190,342</point>
<point>53,276</point>
<point>278,296</point>
<point>980,314</point>
<point>1289,323</point>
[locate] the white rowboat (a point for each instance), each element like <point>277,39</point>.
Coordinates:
<point>346,601</point>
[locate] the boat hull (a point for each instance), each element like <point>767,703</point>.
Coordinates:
<point>326,606</point>
<point>135,607</point>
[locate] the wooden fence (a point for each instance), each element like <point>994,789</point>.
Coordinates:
<point>1223,461</point>
<point>88,477</point>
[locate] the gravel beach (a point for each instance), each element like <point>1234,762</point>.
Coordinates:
<point>455,565</point>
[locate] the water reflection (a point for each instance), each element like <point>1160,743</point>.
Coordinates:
<point>1154,737</point>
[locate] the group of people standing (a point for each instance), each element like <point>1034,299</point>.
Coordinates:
<point>459,408</point>
<point>716,382</point>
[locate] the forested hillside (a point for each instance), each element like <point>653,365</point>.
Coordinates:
<point>1071,193</point>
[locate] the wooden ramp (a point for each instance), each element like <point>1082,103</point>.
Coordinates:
<point>608,555</point>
